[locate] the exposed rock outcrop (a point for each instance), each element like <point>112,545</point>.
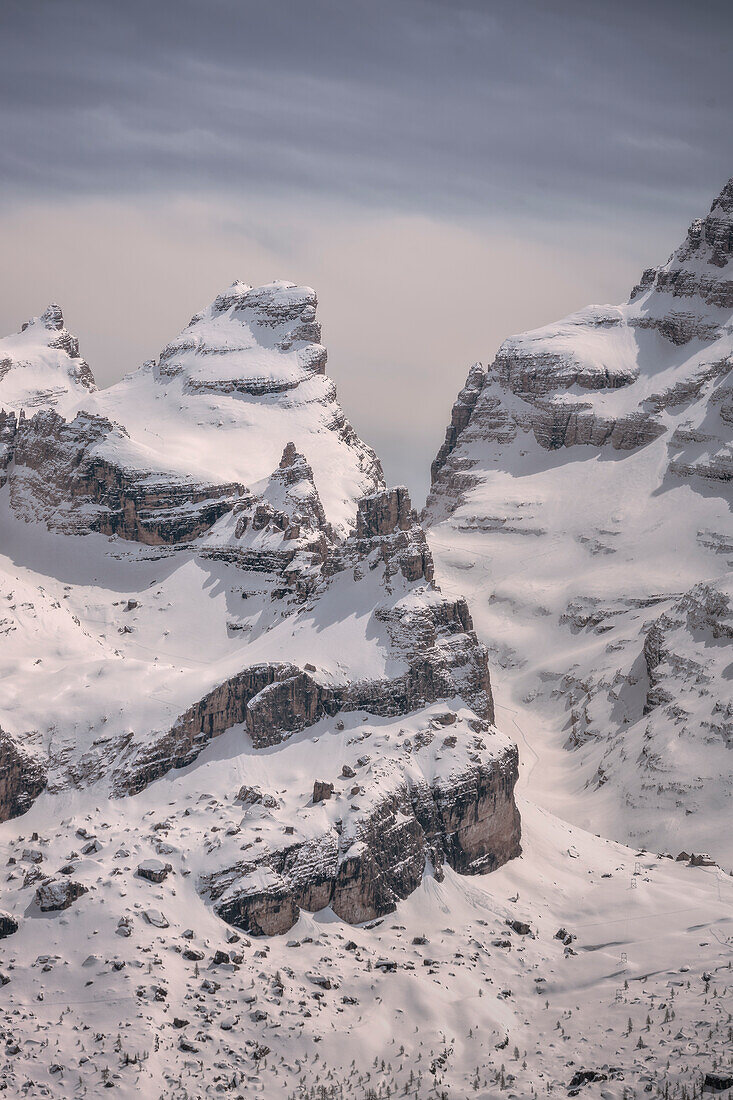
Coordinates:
<point>461,413</point>
<point>372,858</point>
<point>281,530</point>
<point>432,636</point>
<point>22,778</point>
<point>86,476</point>
<point>8,925</point>
<point>59,894</point>
<point>271,700</point>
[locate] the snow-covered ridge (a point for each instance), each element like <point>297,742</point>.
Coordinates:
<point>582,494</point>
<point>40,366</point>
<point>618,375</point>
<point>245,378</point>
<point>256,341</point>
<point>328,606</point>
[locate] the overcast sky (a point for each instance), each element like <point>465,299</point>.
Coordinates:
<point>443,173</point>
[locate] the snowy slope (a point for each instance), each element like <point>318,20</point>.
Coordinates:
<point>442,993</point>
<point>581,497</point>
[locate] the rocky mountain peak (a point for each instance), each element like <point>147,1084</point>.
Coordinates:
<point>612,376</point>
<point>292,489</point>
<point>384,512</point>
<point>253,340</point>
<point>41,366</point>
<point>290,456</point>
<point>692,288</point>
<point>52,317</point>
<point>712,237</point>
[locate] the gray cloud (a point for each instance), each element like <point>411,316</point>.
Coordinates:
<point>447,106</point>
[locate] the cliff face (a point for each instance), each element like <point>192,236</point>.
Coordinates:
<point>583,486</point>
<point>434,650</point>
<point>86,476</point>
<point>614,376</point>
<point>22,777</point>
<point>441,796</point>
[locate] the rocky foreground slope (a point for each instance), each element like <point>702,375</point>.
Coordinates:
<point>582,502</point>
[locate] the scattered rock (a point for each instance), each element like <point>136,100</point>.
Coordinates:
<point>322,791</point>
<point>8,925</point>
<point>520,927</point>
<point>154,870</point>
<point>156,918</point>
<point>57,894</point>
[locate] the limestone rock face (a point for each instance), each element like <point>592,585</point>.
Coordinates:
<point>271,700</point>
<point>604,377</point>
<point>431,638</point>
<point>85,476</point>
<point>461,412</point>
<point>22,777</point>
<point>8,925</point>
<point>377,852</point>
<point>384,513</point>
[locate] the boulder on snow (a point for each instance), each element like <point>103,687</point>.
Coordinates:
<point>154,870</point>
<point>250,796</point>
<point>57,894</point>
<point>322,790</point>
<point>520,927</point>
<point>8,925</point>
<point>156,918</point>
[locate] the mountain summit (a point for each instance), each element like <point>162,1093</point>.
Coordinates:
<point>40,366</point>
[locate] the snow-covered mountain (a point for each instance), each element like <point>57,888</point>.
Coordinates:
<point>40,366</point>
<point>191,607</point>
<point>258,812</point>
<point>581,500</point>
